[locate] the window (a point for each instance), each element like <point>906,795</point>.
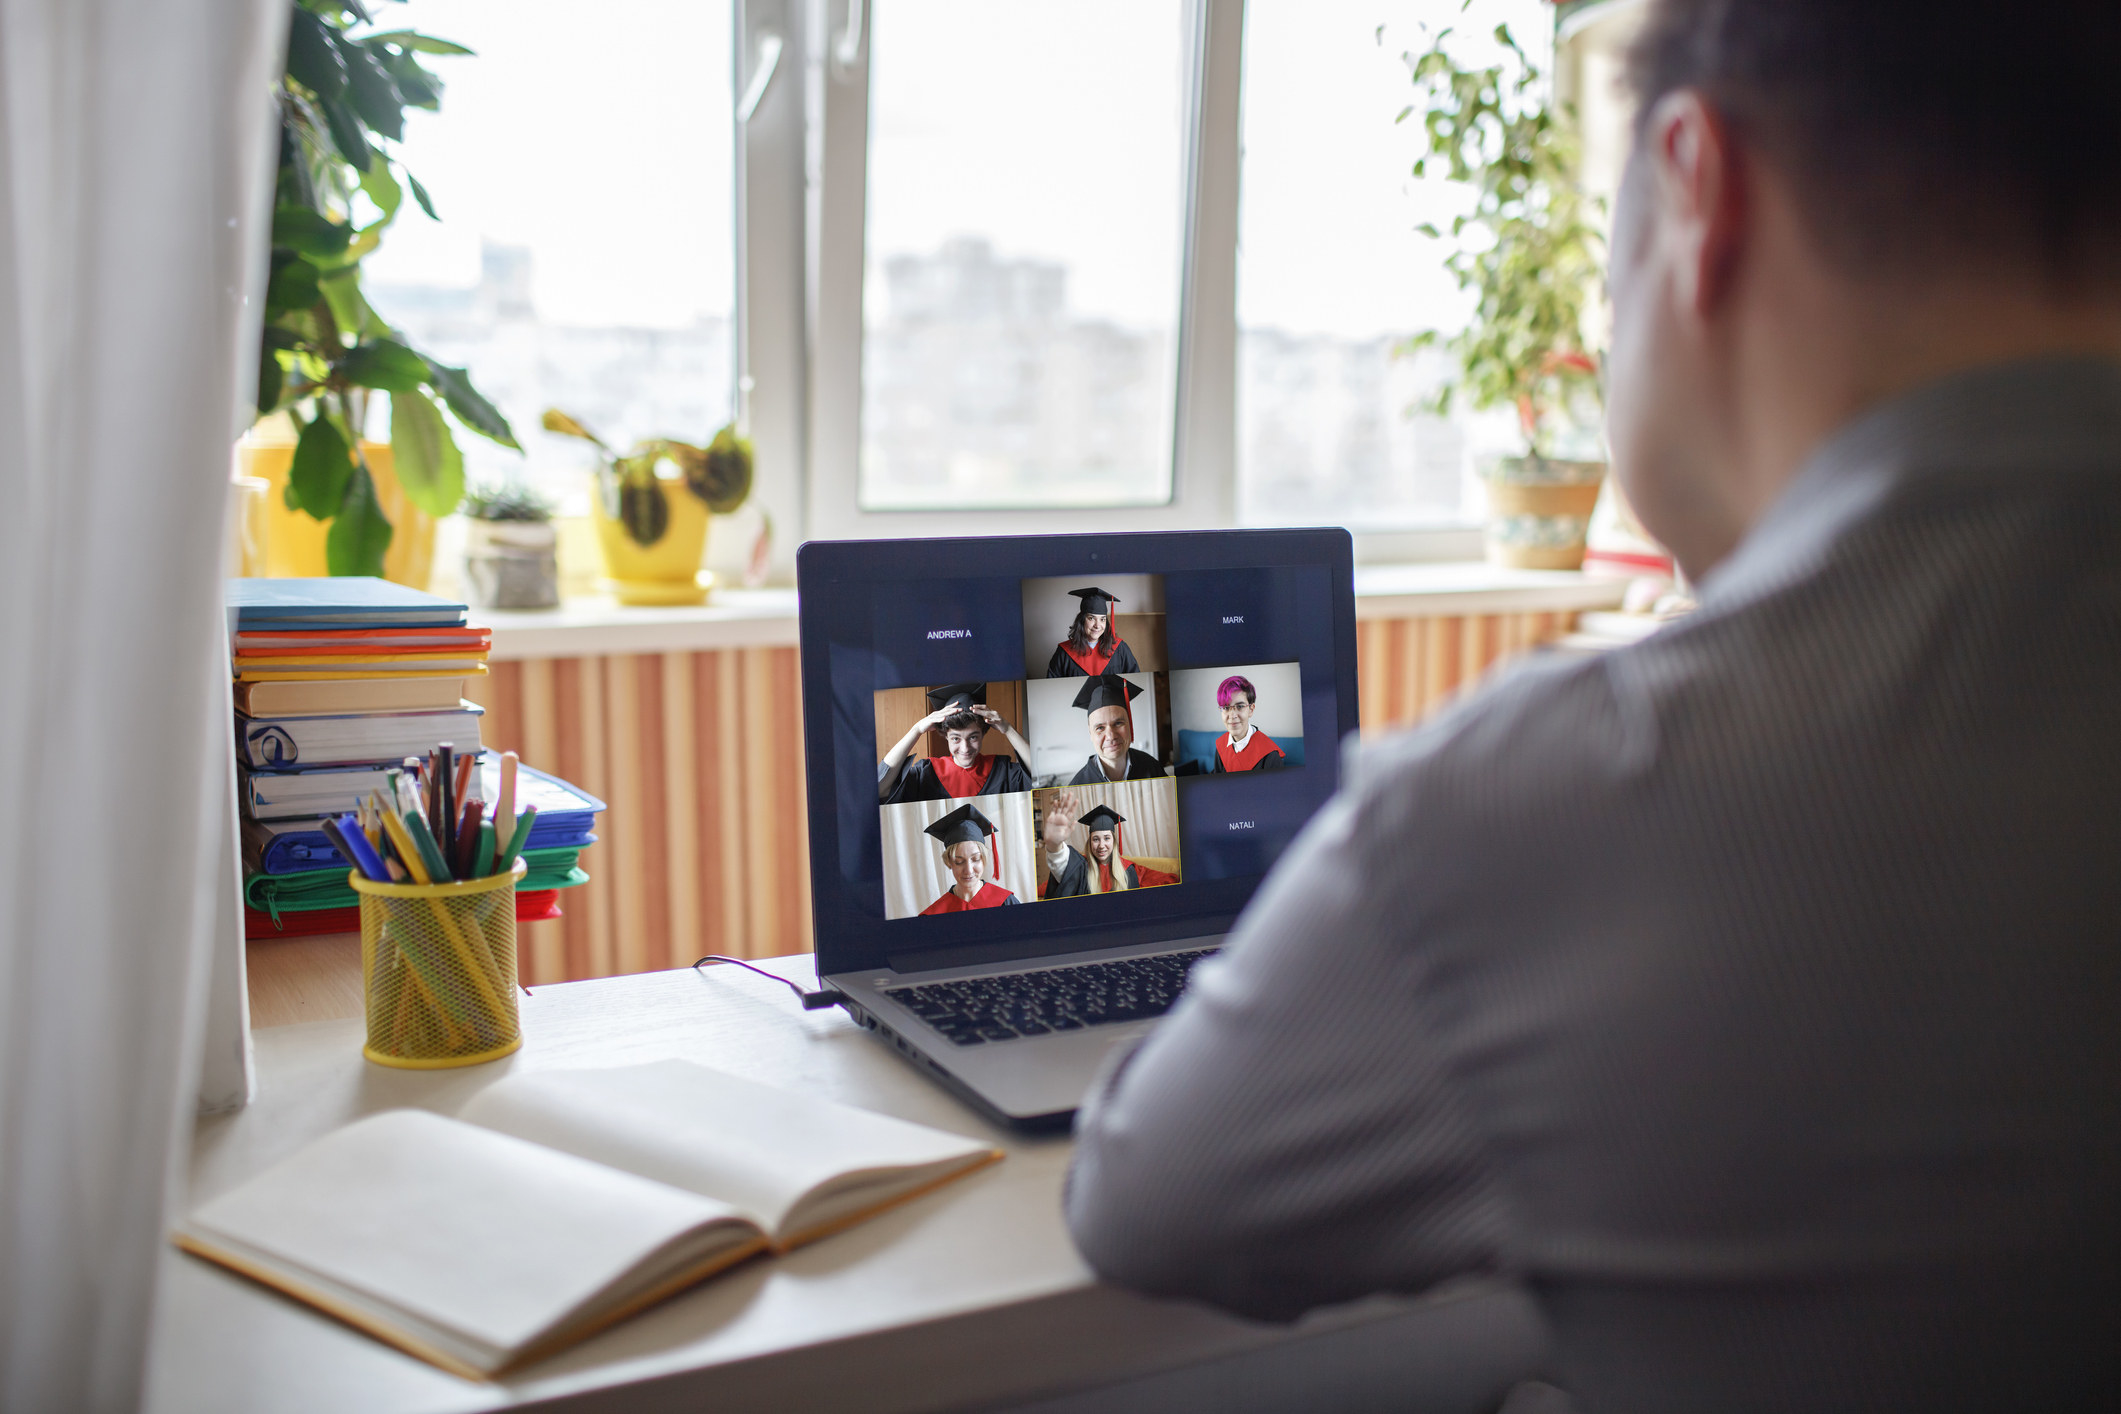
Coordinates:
<point>1332,274</point>
<point>581,165</point>
<point>1026,203</point>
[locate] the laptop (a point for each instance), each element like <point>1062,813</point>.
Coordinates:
<point>1046,773</point>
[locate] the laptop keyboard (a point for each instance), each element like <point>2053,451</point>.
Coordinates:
<point>975,1010</point>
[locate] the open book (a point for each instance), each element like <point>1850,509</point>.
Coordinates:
<point>558,1202</point>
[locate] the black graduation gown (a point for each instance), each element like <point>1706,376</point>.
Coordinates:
<point>1060,665</point>
<point>1140,767</point>
<point>918,781</point>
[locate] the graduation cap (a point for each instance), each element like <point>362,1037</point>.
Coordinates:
<point>958,696</point>
<point>961,826</point>
<point>1108,690</point>
<point>1101,817</point>
<point>1095,601</point>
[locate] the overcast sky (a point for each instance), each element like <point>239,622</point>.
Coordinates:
<point>599,136</point>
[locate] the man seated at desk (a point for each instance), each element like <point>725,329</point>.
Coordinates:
<point>1748,993</point>
<point>1106,870</point>
<point>1106,699</point>
<point>961,711</point>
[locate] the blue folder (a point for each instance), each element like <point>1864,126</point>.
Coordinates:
<point>341,601</point>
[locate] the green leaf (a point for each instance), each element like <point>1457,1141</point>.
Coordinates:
<point>429,466</point>
<point>372,92</point>
<point>307,231</point>
<point>346,133</point>
<point>292,285</point>
<point>424,43</point>
<point>271,377</point>
<point>312,58</point>
<point>385,364</point>
<point>359,532</point>
<point>470,405</point>
<point>419,194</point>
<point>384,191</point>
<point>420,88</point>
<point>342,291</point>
<point>1428,228</point>
<point>317,480</point>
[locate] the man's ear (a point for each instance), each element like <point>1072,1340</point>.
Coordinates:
<point>1702,211</point>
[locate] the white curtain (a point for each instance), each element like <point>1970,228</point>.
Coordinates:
<point>914,876</point>
<point>135,151</point>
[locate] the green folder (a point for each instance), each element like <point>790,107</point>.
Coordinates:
<point>327,888</point>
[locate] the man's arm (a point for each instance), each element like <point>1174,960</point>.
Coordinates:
<point>887,770</point>
<point>1286,1138</point>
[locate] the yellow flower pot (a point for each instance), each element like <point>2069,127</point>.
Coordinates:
<point>1538,511</point>
<point>668,571</point>
<point>294,540</point>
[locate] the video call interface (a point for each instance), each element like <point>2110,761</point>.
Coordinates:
<point>1056,742</point>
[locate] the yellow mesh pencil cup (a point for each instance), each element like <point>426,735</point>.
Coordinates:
<point>438,969</point>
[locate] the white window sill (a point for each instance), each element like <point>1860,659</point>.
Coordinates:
<point>765,618</point>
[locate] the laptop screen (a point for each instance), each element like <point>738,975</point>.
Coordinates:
<point>1055,743</point>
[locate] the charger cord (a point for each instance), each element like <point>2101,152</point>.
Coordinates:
<point>812,1001</point>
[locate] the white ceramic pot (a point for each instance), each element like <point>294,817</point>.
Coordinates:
<point>511,564</point>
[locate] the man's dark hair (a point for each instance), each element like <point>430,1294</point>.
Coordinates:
<point>963,722</point>
<point>1919,132</point>
<point>1079,635</point>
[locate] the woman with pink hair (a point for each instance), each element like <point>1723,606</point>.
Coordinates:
<point>1241,748</point>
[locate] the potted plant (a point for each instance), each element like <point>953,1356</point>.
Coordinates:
<point>324,352</point>
<point>652,505</point>
<point>1529,250</point>
<point>511,553</point>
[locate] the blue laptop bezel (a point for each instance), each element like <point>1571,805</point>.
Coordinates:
<point>829,579</point>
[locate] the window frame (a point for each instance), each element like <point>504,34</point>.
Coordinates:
<point>800,329</point>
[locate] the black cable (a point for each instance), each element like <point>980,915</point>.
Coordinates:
<point>812,1001</point>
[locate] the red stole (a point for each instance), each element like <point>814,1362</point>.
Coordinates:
<point>960,782</point>
<point>1092,662</point>
<point>989,896</point>
<point>1147,878</point>
<point>1256,749</point>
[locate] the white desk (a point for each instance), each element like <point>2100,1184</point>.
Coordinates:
<point>972,1297</point>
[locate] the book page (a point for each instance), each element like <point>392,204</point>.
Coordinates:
<point>759,1149</point>
<point>484,1239</point>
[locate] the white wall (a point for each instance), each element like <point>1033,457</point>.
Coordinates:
<point>1059,730</point>
<point>1280,710</point>
<point>1049,609</point>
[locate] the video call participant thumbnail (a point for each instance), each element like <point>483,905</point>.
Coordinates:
<point>963,835</point>
<point>961,712</point>
<point>1241,748</point>
<point>1106,699</point>
<point>1106,870</point>
<point>1093,646</point>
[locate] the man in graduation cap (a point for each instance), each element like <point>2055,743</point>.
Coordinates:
<point>963,834</point>
<point>1093,645</point>
<point>1070,875</point>
<point>961,713</point>
<point>1105,698</point>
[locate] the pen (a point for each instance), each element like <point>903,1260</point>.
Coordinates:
<point>423,840</point>
<point>466,860</point>
<point>357,849</point>
<point>504,809</point>
<point>517,840</point>
<point>440,799</point>
<point>414,865</point>
<point>335,831</point>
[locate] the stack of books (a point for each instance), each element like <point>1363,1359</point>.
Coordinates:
<point>337,682</point>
